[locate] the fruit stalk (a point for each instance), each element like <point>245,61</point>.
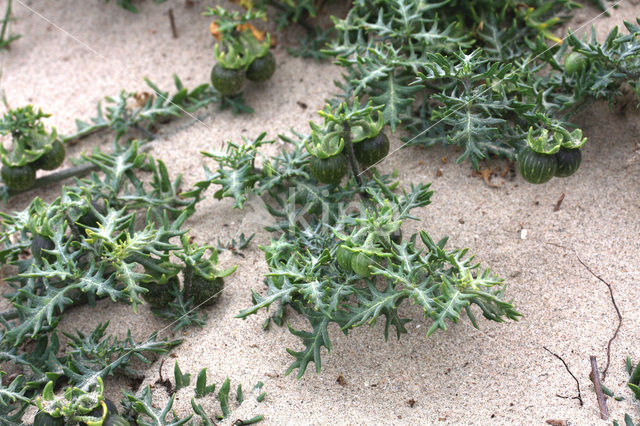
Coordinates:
<point>346,130</point>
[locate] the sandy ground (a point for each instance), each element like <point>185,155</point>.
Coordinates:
<point>75,52</point>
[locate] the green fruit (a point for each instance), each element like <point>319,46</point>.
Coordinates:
<point>329,170</point>
<point>344,258</point>
<point>44,419</point>
<point>52,159</point>
<point>261,69</point>
<point>535,167</point>
<point>158,295</point>
<point>18,178</point>
<point>227,81</point>
<point>575,63</point>
<point>568,161</point>
<point>360,264</point>
<point>39,243</point>
<point>370,151</point>
<point>205,292</point>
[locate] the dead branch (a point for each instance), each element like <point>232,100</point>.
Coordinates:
<point>615,305</point>
<point>579,397</point>
<point>172,21</point>
<point>597,384</point>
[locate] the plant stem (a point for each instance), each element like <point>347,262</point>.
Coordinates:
<point>348,145</point>
<point>5,22</point>
<point>187,277</point>
<point>10,314</point>
<point>71,139</point>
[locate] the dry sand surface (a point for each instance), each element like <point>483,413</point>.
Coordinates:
<point>78,51</point>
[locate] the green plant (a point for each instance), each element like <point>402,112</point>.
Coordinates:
<point>634,385</point>
<point>142,111</point>
<point>145,412</point>
<point>5,38</point>
<point>242,50</point>
<point>317,228</point>
<point>634,378</point>
<point>32,148</point>
<point>337,144</point>
<point>85,250</point>
<point>480,75</point>
<point>129,112</point>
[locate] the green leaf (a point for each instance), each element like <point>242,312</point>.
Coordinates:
<point>313,342</point>
<point>202,389</point>
<point>182,380</point>
<point>151,416</point>
<point>223,397</point>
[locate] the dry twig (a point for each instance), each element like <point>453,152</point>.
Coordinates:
<point>615,305</point>
<point>597,384</point>
<point>559,202</point>
<point>172,21</point>
<point>579,397</point>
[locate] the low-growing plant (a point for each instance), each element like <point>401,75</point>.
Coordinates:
<point>142,111</point>
<point>145,412</point>
<point>336,261</point>
<point>489,77</point>
<point>32,147</point>
<point>5,37</point>
<point>242,51</point>
<point>633,384</point>
<point>88,245</point>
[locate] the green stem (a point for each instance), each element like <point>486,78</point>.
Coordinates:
<point>348,146</point>
<point>7,17</point>
<point>10,314</point>
<point>188,277</point>
<point>70,139</point>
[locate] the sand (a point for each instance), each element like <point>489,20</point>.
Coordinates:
<point>499,374</point>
